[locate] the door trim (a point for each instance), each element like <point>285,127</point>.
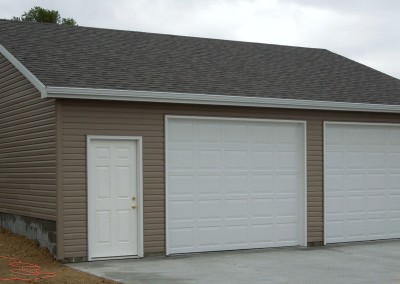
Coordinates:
<point>326,123</point>
<point>139,169</point>
<point>302,164</point>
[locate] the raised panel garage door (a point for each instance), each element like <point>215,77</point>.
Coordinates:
<point>362,182</point>
<point>234,184</point>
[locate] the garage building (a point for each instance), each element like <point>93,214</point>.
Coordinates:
<point>122,144</point>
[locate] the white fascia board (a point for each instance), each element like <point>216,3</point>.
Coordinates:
<point>186,98</point>
<point>21,68</point>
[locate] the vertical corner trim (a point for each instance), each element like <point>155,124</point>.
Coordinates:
<point>59,179</point>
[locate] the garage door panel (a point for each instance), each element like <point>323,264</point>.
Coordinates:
<point>376,160</point>
<point>262,207</point>
<point>286,134</point>
<point>181,210</point>
<point>262,234</point>
<point>287,183</point>
<point>287,159</point>
<point>376,203</point>
<point>182,238</point>
<point>376,136</point>
<point>334,183</point>
<point>235,159</point>
<point>261,134</point>
<point>182,131</point>
<point>335,159</point>
<point>377,227</point>
<point>354,136</point>
<point>208,132</point>
<point>354,183</point>
<point>394,181</point>
<point>181,184</point>
<point>360,170</point>
<point>235,133</point>
<point>354,204</point>
<point>235,208</point>
<point>394,202</point>
<point>286,231</point>
<point>244,182</point>
<point>261,183</point>
<point>262,160</point>
<point>210,159</point>
<point>209,209</point>
<point>334,206</point>
<point>286,207</point>
<point>355,160</point>
<point>210,236</point>
<point>376,182</point>
<point>181,159</point>
<point>234,183</point>
<point>394,226</point>
<point>394,160</point>
<point>207,184</point>
<point>394,137</point>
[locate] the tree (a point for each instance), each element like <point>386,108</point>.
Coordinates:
<point>39,14</point>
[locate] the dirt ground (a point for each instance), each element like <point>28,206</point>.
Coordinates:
<point>15,249</point>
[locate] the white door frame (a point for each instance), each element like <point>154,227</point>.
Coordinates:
<point>303,164</point>
<point>324,149</point>
<point>139,181</point>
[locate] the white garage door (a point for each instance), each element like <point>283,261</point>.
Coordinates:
<point>234,184</point>
<point>362,182</point>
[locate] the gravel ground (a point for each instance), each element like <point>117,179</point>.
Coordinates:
<point>15,249</point>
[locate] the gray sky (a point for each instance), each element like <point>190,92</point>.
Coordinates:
<point>364,30</point>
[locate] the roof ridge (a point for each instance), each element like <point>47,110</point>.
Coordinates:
<point>163,34</point>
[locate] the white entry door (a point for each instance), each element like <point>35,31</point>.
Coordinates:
<point>234,184</point>
<point>113,198</point>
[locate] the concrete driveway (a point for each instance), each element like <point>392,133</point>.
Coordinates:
<point>368,262</point>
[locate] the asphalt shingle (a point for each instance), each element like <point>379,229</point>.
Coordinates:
<point>63,56</point>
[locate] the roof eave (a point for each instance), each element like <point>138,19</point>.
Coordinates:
<point>187,98</point>
<point>206,99</point>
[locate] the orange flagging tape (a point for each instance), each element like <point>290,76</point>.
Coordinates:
<point>25,269</point>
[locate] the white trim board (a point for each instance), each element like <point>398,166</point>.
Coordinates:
<point>206,99</point>
<point>139,164</point>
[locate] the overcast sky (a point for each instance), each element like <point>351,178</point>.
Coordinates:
<point>364,30</point>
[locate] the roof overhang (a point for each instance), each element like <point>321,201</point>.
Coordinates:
<point>187,98</point>
<point>206,99</point>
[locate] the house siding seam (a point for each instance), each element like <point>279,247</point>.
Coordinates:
<point>27,147</point>
<point>81,118</point>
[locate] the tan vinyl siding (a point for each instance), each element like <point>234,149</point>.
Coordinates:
<point>27,147</point>
<point>81,118</point>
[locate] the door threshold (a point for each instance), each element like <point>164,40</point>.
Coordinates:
<point>114,257</point>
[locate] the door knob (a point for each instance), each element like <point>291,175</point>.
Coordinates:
<point>133,206</point>
<point>133,198</point>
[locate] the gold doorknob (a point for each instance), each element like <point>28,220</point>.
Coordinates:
<point>133,206</point>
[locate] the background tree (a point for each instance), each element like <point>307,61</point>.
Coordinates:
<point>39,14</point>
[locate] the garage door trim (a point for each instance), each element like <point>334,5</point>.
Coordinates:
<point>326,123</point>
<point>303,165</point>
